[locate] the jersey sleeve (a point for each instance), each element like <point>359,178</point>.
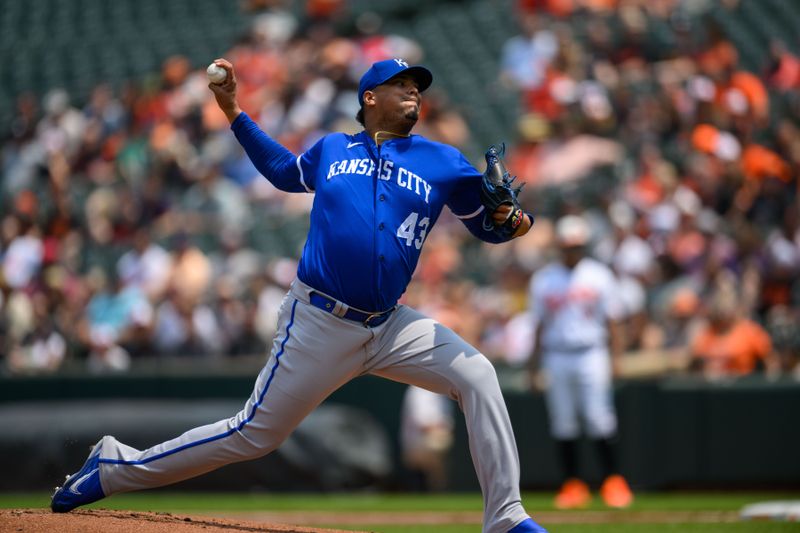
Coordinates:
<point>273,161</point>
<point>307,163</point>
<point>465,200</point>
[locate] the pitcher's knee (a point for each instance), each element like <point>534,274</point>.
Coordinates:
<point>255,441</point>
<point>263,444</point>
<point>478,375</point>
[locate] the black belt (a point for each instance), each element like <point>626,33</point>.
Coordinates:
<point>569,349</point>
<point>370,320</point>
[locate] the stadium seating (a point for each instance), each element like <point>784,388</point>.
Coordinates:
<point>82,43</point>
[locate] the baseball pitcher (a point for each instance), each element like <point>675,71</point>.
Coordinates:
<point>377,194</point>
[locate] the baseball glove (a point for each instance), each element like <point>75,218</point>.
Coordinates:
<point>496,190</point>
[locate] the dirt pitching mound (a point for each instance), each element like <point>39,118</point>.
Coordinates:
<point>103,521</point>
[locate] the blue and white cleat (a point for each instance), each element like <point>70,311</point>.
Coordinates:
<point>82,487</point>
<point>528,526</point>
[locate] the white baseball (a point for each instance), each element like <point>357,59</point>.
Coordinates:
<point>216,74</point>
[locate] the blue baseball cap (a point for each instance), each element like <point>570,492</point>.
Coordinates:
<point>383,71</point>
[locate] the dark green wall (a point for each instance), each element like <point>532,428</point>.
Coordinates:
<point>674,433</point>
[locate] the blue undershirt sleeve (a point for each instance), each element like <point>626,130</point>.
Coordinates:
<point>475,226</point>
<point>273,161</point>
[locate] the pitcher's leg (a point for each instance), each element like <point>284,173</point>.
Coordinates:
<point>266,420</point>
<point>417,350</point>
<point>301,372</point>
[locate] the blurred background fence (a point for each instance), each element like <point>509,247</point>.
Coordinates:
<point>676,433</point>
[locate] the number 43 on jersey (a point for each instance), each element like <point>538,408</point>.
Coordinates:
<point>408,230</point>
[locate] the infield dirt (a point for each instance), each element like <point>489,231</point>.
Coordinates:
<point>103,520</point>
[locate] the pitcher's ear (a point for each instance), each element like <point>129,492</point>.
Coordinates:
<point>369,98</point>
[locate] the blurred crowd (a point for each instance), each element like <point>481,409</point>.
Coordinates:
<point>700,222</point>
<point>135,226</point>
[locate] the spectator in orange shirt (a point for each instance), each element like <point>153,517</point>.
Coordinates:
<point>783,72</point>
<point>760,163</point>
<point>730,345</point>
<point>753,90</point>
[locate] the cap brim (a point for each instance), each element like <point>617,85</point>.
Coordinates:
<point>421,75</point>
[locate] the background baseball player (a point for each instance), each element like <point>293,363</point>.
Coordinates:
<point>377,195</point>
<point>427,426</point>
<point>575,307</point>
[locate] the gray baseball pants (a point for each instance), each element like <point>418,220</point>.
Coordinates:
<point>313,354</point>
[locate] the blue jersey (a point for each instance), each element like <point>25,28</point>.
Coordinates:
<point>373,206</point>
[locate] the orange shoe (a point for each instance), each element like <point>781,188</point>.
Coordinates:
<point>574,494</point>
<point>616,492</point>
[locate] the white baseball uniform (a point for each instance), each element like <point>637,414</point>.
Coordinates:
<point>573,308</point>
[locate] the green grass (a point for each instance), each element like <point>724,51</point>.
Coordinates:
<point>163,501</point>
<point>743,527</point>
<point>740,527</point>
